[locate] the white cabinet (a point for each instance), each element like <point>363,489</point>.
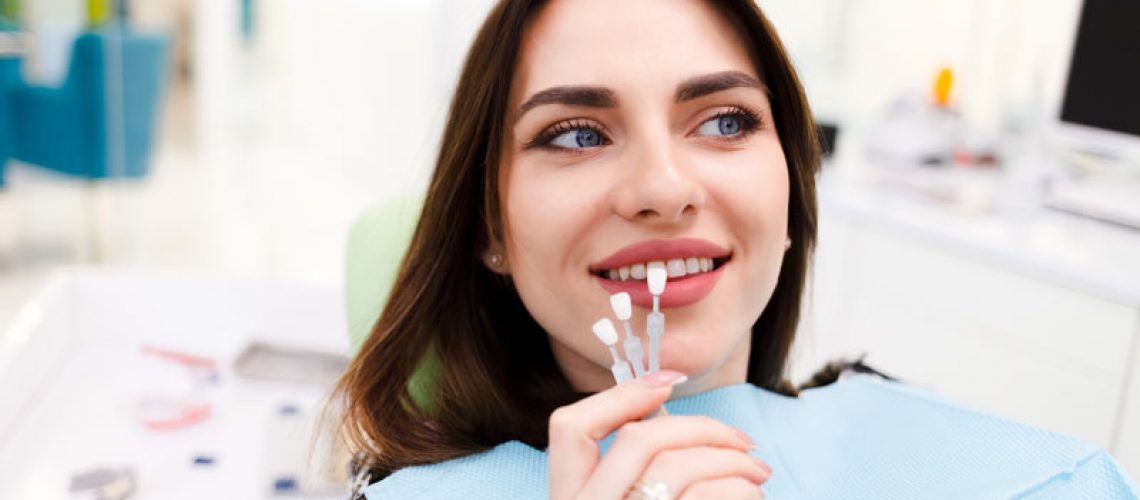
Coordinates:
<point>999,340</point>
<point>1127,448</point>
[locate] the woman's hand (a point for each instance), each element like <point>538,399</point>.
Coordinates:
<point>694,457</point>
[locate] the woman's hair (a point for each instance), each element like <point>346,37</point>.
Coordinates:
<point>455,364</point>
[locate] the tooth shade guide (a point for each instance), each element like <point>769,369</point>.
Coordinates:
<point>657,276</point>
<point>605,331</point>
<point>614,354</point>
<point>619,368</point>
<point>655,321</point>
<point>633,351</point>
<point>655,325</point>
<point>621,305</point>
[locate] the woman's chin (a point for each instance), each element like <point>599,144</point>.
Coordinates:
<point>706,363</point>
<point>696,364</point>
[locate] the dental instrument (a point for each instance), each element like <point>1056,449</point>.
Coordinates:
<point>656,275</point>
<point>623,309</point>
<point>605,331</point>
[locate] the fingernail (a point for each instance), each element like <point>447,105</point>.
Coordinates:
<point>663,378</point>
<point>763,465</point>
<point>745,437</point>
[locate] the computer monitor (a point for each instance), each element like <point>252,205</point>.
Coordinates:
<point>1100,107</point>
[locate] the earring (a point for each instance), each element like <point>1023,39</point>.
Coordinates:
<point>496,260</point>
<point>787,244</point>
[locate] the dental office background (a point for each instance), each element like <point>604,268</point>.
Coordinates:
<point>181,179</point>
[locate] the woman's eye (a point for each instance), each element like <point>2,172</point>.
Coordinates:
<point>573,136</point>
<point>734,124</point>
<point>726,125</point>
<point>578,138</point>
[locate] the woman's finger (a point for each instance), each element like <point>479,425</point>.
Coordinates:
<point>638,443</point>
<point>726,488</point>
<point>576,428</point>
<point>677,469</point>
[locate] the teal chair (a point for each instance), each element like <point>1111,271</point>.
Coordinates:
<point>9,76</point>
<point>11,59</point>
<point>101,121</point>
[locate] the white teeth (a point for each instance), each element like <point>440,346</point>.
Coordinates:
<point>675,268</point>
<point>692,265</point>
<point>637,271</point>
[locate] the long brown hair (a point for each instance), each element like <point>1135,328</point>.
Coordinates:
<point>455,364</point>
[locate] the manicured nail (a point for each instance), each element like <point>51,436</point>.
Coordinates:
<point>744,437</point>
<point>763,465</point>
<point>663,378</point>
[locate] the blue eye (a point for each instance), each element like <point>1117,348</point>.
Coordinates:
<point>578,138</point>
<point>721,125</point>
<point>730,124</point>
<point>575,136</point>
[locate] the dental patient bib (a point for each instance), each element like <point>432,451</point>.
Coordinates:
<point>860,438</point>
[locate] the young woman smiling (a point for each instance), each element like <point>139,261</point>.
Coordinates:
<point>585,139</point>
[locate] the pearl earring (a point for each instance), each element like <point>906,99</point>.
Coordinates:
<point>496,260</point>
<point>787,244</point>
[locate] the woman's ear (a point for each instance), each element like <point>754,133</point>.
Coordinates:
<point>495,259</point>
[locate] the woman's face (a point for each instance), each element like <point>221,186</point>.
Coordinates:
<point>639,131</point>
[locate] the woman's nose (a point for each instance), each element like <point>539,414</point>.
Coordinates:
<point>661,187</point>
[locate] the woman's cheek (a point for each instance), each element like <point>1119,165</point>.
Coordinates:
<point>543,212</point>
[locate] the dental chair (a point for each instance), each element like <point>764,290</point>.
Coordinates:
<point>11,59</point>
<point>101,121</point>
<point>376,245</point>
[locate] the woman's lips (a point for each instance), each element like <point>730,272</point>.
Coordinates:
<point>679,292</point>
<point>660,250</point>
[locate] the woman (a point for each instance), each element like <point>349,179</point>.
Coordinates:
<point>590,136</point>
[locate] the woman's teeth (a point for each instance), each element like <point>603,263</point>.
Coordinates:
<point>676,268</point>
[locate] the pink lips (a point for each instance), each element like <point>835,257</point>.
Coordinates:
<point>679,291</point>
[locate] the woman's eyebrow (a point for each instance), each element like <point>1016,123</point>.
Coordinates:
<point>590,96</point>
<point>700,86</point>
<point>604,97</point>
